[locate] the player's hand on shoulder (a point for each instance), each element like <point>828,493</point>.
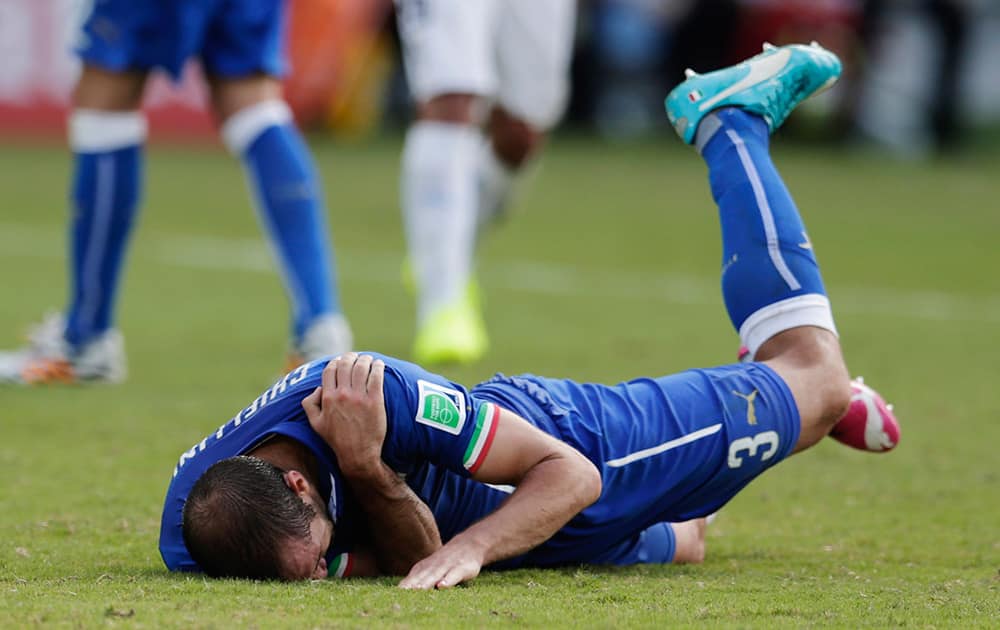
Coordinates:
<point>348,410</point>
<point>457,562</point>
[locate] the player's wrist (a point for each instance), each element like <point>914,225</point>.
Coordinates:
<point>475,544</point>
<point>369,472</point>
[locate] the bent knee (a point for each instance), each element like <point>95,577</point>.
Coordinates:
<point>810,362</point>
<point>693,554</point>
<point>109,90</point>
<point>837,399</point>
<point>690,541</point>
<point>829,388</point>
<point>461,109</point>
<point>514,139</point>
<point>231,96</point>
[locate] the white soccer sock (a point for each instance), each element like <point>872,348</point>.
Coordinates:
<point>439,210</point>
<point>495,181</point>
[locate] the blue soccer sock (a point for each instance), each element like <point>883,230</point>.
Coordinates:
<point>106,187</point>
<point>289,202</point>
<point>770,279</point>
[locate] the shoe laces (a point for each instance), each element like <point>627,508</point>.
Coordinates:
<point>782,107</point>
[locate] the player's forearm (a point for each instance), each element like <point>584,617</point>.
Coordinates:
<point>549,495</point>
<point>402,526</point>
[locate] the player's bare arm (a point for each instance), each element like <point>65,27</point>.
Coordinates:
<point>348,412</point>
<point>554,483</point>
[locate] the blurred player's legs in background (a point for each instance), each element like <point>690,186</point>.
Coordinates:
<point>915,108</point>
<point>771,282</point>
<point>498,66</point>
<point>107,133</point>
<point>257,127</point>
<point>240,52</point>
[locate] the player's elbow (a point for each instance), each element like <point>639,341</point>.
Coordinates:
<point>588,481</point>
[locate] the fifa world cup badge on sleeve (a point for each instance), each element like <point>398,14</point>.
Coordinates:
<point>441,407</point>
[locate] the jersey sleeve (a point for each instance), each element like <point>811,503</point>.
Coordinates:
<point>431,419</point>
<point>340,566</point>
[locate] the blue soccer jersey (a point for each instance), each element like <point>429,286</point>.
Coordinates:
<point>277,411</point>
<point>437,435</point>
<point>669,449</point>
<point>232,38</point>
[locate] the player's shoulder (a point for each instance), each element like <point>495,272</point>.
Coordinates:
<point>412,392</point>
<point>391,361</point>
<point>406,373</point>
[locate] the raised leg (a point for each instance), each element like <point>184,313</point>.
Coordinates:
<point>771,282</point>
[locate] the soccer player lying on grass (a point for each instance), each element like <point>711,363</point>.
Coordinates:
<point>366,464</point>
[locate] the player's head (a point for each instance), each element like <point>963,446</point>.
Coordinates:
<point>250,519</point>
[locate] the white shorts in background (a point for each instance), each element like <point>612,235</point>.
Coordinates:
<point>515,52</point>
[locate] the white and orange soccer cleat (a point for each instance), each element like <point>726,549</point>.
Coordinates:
<point>869,424</point>
<point>48,359</point>
<point>328,335</point>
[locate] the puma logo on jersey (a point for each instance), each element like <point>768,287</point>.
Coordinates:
<point>751,399</point>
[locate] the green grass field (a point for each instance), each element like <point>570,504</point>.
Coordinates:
<point>609,270</point>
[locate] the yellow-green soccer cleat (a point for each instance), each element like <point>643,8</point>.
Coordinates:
<point>409,280</point>
<point>770,85</point>
<point>454,334</point>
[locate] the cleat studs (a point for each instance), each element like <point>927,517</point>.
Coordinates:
<point>889,406</point>
<point>814,44</point>
<point>860,380</point>
<point>689,73</point>
<point>769,46</point>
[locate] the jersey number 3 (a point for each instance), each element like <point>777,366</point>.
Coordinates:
<point>750,445</point>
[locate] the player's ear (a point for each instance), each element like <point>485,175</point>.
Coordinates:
<point>296,482</point>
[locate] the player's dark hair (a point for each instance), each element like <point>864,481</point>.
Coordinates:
<point>238,514</point>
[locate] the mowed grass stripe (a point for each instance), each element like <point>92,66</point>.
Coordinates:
<point>220,254</point>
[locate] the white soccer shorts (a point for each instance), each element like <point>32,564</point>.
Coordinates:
<point>514,52</point>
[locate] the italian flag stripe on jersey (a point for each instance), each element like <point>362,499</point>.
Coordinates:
<point>341,566</point>
<point>482,436</point>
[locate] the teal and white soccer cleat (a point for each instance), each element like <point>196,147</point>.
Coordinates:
<point>770,85</point>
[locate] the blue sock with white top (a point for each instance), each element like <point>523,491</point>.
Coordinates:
<point>770,279</point>
<point>289,203</point>
<point>107,148</point>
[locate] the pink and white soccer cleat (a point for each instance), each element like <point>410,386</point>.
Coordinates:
<point>869,424</point>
